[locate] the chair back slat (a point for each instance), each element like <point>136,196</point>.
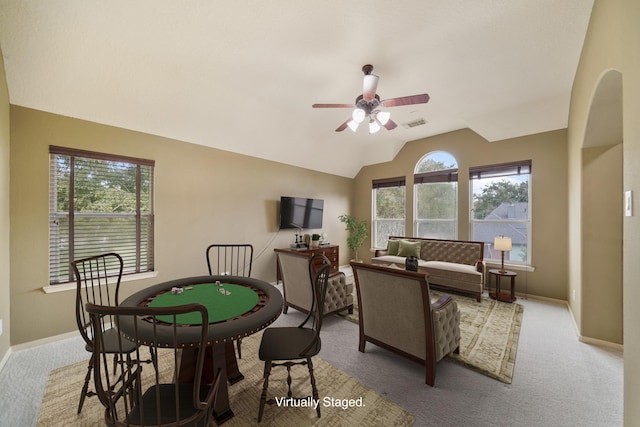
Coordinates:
<point>230,259</point>
<point>97,282</point>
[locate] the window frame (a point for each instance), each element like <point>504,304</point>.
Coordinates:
<point>496,171</point>
<point>377,184</point>
<point>58,275</point>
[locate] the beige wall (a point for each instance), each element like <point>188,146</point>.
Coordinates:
<point>611,43</point>
<point>4,213</point>
<point>602,243</point>
<point>202,195</point>
<point>548,153</point>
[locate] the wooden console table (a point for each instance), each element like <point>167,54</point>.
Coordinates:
<point>330,251</point>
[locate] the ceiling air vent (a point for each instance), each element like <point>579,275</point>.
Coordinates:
<point>418,122</point>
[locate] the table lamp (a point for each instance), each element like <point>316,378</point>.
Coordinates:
<point>502,244</point>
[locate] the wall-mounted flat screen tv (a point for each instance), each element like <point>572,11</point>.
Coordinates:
<point>298,212</point>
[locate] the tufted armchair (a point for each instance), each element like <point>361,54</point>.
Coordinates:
<point>396,313</point>
<point>294,268</point>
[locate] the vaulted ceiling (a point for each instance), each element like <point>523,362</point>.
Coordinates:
<point>242,75</point>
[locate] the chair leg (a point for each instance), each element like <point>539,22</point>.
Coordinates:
<point>85,387</point>
<point>313,384</point>
<point>263,396</point>
<point>239,343</point>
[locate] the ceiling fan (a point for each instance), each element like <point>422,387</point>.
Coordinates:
<point>367,104</point>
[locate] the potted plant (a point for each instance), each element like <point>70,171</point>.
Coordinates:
<point>358,232</point>
<point>315,240</point>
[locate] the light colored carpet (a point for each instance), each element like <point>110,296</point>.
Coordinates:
<point>558,380</point>
<point>489,333</point>
<point>62,392</point>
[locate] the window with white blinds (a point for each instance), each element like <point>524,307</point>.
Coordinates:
<point>99,203</point>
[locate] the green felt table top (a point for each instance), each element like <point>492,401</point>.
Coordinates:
<point>222,302</point>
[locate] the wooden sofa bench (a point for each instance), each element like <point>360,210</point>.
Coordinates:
<point>452,264</point>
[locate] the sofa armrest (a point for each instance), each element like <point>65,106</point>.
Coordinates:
<point>380,252</point>
<point>339,294</point>
<point>441,302</point>
<point>446,325</point>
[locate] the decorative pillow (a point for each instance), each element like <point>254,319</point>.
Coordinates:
<point>407,248</point>
<point>392,247</point>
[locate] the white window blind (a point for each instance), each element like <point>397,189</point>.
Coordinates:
<point>99,203</point>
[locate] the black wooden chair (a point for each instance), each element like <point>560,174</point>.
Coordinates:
<point>98,282</point>
<point>289,346</point>
<point>160,395</point>
<point>230,259</point>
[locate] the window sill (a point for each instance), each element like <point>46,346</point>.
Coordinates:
<point>71,286</point>
<point>507,266</point>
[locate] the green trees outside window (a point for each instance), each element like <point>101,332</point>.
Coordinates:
<point>99,203</point>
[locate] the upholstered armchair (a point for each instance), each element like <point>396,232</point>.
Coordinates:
<point>294,270</point>
<point>396,313</point>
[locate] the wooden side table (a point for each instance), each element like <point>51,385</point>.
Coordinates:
<point>497,294</point>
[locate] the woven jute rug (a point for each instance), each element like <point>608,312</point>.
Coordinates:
<point>489,333</point>
<point>62,393</point>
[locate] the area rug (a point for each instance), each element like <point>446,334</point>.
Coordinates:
<point>489,333</point>
<point>60,401</point>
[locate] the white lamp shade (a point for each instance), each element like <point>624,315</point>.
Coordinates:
<point>383,117</point>
<point>358,115</point>
<point>502,243</point>
<point>353,125</point>
<point>373,126</point>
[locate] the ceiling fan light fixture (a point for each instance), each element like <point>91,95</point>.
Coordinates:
<point>383,117</point>
<point>367,103</point>
<point>358,115</point>
<point>373,126</point>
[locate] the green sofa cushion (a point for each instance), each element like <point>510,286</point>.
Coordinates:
<point>393,246</point>
<point>407,248</point>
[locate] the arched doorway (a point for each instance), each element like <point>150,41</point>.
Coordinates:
<point>602,214</point>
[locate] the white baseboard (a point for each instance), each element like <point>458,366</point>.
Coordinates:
<point>48,340</point>
<point>5,359</point>
<point>35,343</point>
<point>601,343</point>
<point>593,341</point>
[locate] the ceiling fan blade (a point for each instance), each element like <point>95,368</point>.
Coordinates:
<point>332,105</point>
<point>406,100</point>
<point>390,125</point>
<point>369,86</point>
<point>343,126</point>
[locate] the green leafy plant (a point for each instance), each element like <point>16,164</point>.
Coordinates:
<point>358,232</point>
<point>315,236</point>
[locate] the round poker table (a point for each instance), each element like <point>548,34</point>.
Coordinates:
<point>241,306</point>
<point>238,307</point>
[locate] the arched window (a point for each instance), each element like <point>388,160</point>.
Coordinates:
<point>436,196</point>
